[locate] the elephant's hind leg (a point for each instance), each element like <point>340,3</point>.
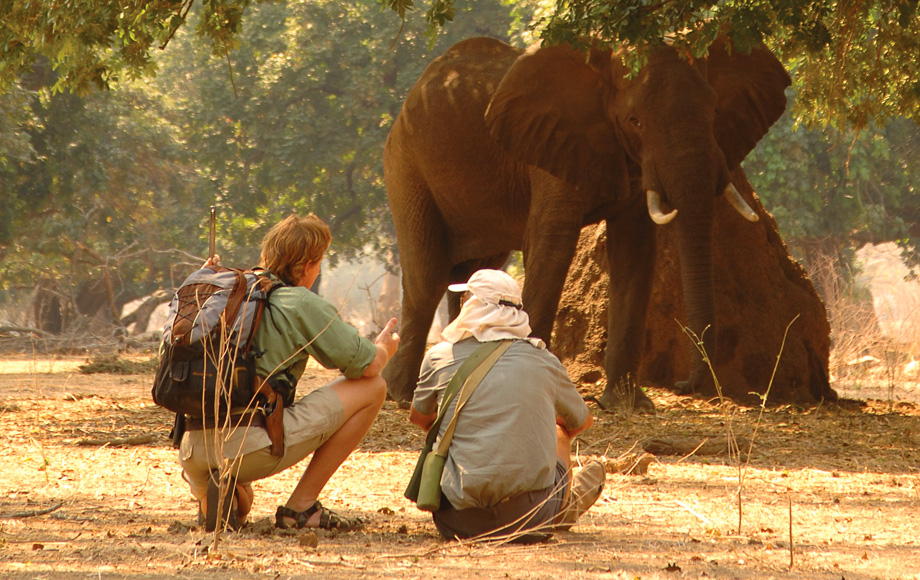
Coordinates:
<point>424,261</point>
<point>462,272</point>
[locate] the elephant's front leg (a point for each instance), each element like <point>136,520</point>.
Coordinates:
<point>631,257</point>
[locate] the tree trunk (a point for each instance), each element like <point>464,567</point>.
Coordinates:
<point>141,315</point>
<point>759,290</point>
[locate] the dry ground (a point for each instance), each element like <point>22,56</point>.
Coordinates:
<point>90,488</point>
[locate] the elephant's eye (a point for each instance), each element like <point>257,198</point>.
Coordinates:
<point>634,121</point>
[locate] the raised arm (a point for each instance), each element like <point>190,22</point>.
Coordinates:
<point>386,342</point>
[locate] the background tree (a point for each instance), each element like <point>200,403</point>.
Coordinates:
<point>295,119</point>
<point>298,120</point>
<point>95,190</point>
<point>832,191</point>
<point>15,149</point>
<point>269,107</point>
<point>853,61</point>
<point>91,44</point>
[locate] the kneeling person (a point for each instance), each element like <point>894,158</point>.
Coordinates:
<point>508,469</point>
<point>328,422</point>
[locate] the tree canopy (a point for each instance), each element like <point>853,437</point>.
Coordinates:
<point>112,186</point>
<point>854,61</point>
<point>832,191</point>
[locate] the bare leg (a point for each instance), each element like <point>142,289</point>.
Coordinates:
<point>564,454</point>
<point>563,447</point>
<point>362,399</point>
<point>245,497</point>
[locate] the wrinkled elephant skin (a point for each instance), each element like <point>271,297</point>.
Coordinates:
<point>497,149</point>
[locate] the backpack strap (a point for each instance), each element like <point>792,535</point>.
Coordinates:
<point>235,298</point>
<point>267,286</point>
<point>274,402</point>
<point>257,319</point>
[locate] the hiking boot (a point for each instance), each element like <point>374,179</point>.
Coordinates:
<point>587,486</point>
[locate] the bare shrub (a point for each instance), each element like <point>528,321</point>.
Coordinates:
<point>874,315</point>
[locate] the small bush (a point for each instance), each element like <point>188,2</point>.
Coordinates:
<point>113,365</point>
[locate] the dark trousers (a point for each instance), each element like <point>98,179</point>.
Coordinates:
<point>529,511</point>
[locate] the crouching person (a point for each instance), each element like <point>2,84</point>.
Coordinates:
<point>328,422</point>
<point>508,470</point>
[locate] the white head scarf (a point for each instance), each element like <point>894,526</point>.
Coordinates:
<point>493,312</point>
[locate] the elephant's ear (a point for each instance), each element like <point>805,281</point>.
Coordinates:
<point>751,91</point>
<point>549,111</point>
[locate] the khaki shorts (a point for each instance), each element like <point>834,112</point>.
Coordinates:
<point>308,423</point>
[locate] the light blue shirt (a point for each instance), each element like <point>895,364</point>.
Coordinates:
<point>505,438</point>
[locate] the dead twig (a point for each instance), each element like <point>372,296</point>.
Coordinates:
<point>701,517</point>
<point>687,456</point>
<point>688,446</point>
<point>791,552</point>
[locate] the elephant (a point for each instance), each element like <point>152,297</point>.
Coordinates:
<point>497,149</point>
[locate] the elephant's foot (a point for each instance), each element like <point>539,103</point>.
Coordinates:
<point>699,383</point>
<point>630,399</point>
<point>687,387</point>
<point>401,402</point>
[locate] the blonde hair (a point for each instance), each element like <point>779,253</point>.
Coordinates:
<point>292,243</point>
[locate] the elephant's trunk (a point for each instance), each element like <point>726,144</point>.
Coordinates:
<point>696,269</point>
<point>691,182</point>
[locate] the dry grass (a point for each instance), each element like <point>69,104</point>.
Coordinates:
<point>849,471</point>
<point>872,358</point>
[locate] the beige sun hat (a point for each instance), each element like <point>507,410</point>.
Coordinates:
<point>494,310</point>
<point>493,287</point>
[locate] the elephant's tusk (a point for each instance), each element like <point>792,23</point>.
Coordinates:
<point>654,209</point>
<point>739,204</point>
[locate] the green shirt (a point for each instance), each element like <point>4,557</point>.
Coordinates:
<point>297,324</point>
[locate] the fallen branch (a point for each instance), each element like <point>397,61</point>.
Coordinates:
<point>119,442</point>
<point>33,513</point>
<point>21,330</point>
<point>689,446</point>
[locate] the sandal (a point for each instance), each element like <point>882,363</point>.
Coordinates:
<point>328,519</point>
<point>227,515</point>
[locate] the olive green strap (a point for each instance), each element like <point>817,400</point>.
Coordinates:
<point>459,378</point>
<point>469,385</point>
<point>471,362</point>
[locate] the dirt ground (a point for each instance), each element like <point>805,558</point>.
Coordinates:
<point>90,488</point>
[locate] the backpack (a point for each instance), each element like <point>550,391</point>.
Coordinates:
<point>206,367</point>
